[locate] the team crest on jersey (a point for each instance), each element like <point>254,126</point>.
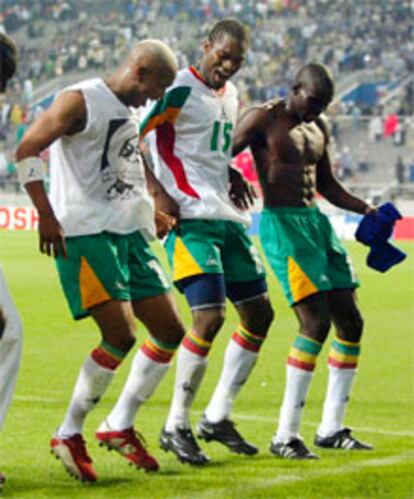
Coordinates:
<point>122,169</point>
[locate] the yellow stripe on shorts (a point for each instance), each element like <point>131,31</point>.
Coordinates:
<point>91,289</point>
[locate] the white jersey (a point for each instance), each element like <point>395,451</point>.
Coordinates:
<point>97,176</point>
<point>190,135</point>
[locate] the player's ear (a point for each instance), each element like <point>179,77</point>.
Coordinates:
<point>142,72</point>
<point>206,46</point>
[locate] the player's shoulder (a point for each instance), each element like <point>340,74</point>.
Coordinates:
<point>184,77</point>
<point>231,89</point>
<point>266,112</point>
<point>322,123</point>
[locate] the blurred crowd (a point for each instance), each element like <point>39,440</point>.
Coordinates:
<point>60,36</point>
<point>82,37</point>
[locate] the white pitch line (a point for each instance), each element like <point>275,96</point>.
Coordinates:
<point>307,475</point>
<point>30,398</point>
<point>380,431</point>
<point>341,470</point>
<point>245,417</point>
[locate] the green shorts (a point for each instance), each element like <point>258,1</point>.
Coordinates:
<point>213,247</point>
<point>109,266</point>
<point>304,252</point>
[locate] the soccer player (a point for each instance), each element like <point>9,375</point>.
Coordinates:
<point>289,141</point>
<point>10,323</point>
<point>96,223</point>
<point>210,253</point>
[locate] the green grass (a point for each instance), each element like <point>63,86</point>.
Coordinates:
<point>381,408</point>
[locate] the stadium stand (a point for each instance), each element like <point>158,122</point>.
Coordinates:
<point>368,45</point>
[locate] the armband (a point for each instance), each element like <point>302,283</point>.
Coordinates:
<point>30,170</point>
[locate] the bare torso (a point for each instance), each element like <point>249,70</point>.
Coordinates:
<point>286,154</point>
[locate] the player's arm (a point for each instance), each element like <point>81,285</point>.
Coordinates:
<point>167,211</point>
<point>242,192</point>
<point>250,125</point>
<point>66,116</point>
<point>329,186</point>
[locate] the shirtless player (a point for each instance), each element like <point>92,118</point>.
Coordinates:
<point>289,141</point>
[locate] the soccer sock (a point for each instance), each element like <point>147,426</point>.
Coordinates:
<point>301,364</point>
<point>239,359</point>
<point>342,363</point>
<point>191,366</point>
<point>149,366</point>
<point>94,378</point>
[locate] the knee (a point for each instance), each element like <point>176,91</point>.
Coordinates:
<point>122,337</point>
<point>259,321</point>
<point>351,329</point>
<point>124,343</point>
<point>208,323</point>
<point>317,328</point>
<point>173,334</point>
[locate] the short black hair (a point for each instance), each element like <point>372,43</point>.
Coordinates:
<point>8,60</point>
<point>318,76</point>
<point>230,27</point>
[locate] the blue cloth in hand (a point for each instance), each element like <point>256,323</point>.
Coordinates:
<point>374,231</point>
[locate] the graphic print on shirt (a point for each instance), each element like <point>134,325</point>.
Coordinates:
<point>122,169</point>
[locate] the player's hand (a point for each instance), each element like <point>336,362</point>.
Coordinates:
<point>371,210</point>
<point>51,236</point>
<point>164,223</point>
<point>165,203</point>
<point>241,192</point>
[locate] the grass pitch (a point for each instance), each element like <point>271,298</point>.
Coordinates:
<point>381,409</point>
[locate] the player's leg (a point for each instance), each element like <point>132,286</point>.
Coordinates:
<point>295,248</point>
<point>94,283</point>
<point>10,351</point>
<point>246,288</point>
<point>195,258</point>
<point>154,305</point>
<point>206,297</point>
<point>342,365</point>
<point>240,358</point>
<point>344,353</point>
<point>313,315</point>
<point>10,348</point>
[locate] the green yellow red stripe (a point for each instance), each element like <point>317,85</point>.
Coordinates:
<point>158,351</point>
<point>108,356</point>
<point>247,340</point>
<point>344,354</point>
<point>304,353</point>
<point>196,344</point>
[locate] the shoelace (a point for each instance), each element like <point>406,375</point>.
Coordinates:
<point>230,427</point>
<point>298,446</point>
<point>188,435</point>
<point>80,448</point>
<point>137,438</point>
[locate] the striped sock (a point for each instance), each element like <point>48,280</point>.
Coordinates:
<point>108,356</point>
<point>191,367</point>
<point>148,368</point>
<point>239,359</point>
<point>342,363</point>
<point>158,350</point>
<point>247,340</point>
<point>196,344</point>
<point>94,378</point>
<point>343,354</point>
<point>301,364</point>
<point>304,353</point>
